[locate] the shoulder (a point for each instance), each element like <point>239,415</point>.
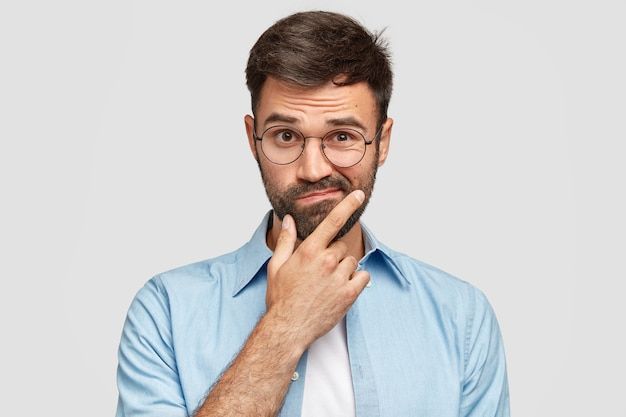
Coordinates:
<point>439,286</point>
<point>192,277</point>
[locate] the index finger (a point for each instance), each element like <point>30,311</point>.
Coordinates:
<point>330,226</point>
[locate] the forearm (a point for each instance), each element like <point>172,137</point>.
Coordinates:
<point>256,382</point>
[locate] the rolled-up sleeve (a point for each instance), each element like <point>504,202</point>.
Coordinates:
<point>147,377</point>
<point>485,385</point>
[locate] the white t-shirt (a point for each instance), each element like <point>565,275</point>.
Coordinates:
<point>328,388</point>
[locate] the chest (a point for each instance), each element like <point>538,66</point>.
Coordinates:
<point>403,356</point>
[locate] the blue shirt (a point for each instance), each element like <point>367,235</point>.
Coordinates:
<point>421,342</point>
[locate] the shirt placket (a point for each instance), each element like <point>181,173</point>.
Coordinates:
<point>292,405</point>
<point>363,380</point>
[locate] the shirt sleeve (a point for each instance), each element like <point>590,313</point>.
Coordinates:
<point>147,378</point>
<point>485,384</point>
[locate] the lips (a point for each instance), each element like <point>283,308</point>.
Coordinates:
<point>318,194</point>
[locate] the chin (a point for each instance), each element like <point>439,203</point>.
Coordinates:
<point>309,218</point>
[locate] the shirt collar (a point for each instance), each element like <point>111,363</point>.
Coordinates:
<point>255,253</point>
<point>374,246</point>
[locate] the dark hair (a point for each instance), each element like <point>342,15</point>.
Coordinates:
<point>311,48</point>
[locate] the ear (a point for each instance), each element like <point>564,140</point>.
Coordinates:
<point>385,138</point>
<point>249,123</point>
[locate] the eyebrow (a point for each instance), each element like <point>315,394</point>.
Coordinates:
<point>346,121</point>
<point>277,117</point>
<point>341,121</point>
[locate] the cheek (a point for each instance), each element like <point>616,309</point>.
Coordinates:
<point>354,174</point>
<point>359,173</point>
<point>279,177</point>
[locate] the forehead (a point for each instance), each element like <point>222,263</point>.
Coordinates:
<point>315,105</point>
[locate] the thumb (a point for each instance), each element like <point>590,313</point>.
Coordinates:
<point>284,245</point>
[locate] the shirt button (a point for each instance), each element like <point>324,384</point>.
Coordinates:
<point>295,376</point>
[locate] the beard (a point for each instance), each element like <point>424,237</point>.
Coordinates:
<point>309,217</point>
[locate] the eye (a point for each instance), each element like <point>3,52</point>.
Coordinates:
<point>285,136</point>
<point>343,138</point>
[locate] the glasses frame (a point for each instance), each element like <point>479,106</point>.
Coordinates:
<point>260,139</point>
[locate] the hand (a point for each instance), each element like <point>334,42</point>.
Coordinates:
<point>311,289</point>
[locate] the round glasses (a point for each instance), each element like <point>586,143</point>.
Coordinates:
<point>343,147</point>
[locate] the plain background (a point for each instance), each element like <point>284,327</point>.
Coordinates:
<point>123,155</point>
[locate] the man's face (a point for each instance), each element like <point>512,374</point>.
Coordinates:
<point>311,186</point>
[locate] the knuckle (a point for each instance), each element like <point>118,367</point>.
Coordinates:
<point>306,252</point>
<point>352,261</point>
<point>350,293</point>
<point>335,221</point>
<point>328,260</point>
<point>349,265</point>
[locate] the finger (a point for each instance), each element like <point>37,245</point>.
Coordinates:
<point>347,266</point>
<point>359,281</point>
<point>328,228</point>
<point>339,250</point>
<point>284,244</point>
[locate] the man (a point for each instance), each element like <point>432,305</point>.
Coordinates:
<point>313,316</point>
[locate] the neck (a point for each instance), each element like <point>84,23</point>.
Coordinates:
<point>354,238</point>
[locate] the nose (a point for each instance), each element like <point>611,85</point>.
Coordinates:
<point>312,164</point>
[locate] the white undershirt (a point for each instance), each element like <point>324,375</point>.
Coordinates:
<point>328,383</point>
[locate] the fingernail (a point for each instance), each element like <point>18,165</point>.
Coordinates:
<point>360,195</point>
<point>286,221</point>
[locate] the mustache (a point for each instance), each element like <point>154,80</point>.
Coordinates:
<point>298,190</point>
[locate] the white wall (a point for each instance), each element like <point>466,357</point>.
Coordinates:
<point>123,154</point>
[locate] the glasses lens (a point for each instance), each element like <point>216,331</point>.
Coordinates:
<point>282,145</point>
<point>344,147</point>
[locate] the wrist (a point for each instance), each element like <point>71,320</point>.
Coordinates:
<point>279,329</point>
